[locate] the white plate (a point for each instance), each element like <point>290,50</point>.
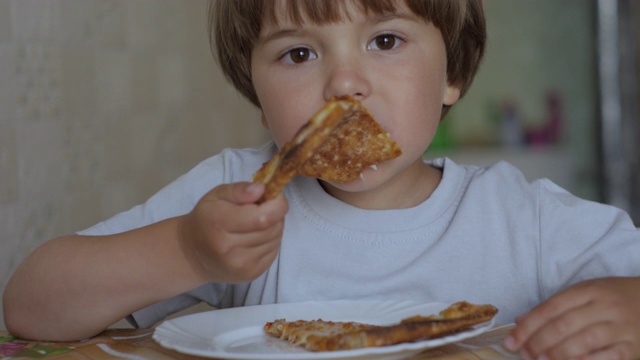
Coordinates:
<point>237,333</point>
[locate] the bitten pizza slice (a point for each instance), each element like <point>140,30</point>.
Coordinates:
<point>357,143</point>
<point>336,144</point>
<point>320,335</point>
<point>303,332</point>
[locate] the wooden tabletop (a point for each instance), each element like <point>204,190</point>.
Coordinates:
<point>139,345</point>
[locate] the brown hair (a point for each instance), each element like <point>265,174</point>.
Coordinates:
<point>234,27</point>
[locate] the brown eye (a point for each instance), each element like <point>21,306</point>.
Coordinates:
<point>385,42</point>
<point>299,55</point>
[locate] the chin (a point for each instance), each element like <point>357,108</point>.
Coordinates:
<point>369,179</point>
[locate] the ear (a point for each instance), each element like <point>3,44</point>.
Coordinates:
<point>451,94</point>
<point>264,121</point>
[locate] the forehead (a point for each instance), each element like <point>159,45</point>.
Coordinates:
<point>322,12</point>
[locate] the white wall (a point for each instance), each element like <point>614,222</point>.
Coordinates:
<point>102,102</point>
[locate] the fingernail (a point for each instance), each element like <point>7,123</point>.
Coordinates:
<point>510,343</point>
<point>253,187</point>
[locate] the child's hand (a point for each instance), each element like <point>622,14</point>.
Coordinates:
<point>228,238</point>
<point>595,319</point>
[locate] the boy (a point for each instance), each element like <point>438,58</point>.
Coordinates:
<point>433,231</point>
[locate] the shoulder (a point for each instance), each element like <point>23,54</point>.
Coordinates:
<point>504,182</point>
<point>230,165</point>
<point>237,164</point>
<point>181,195</point>
<point>501,189</point>
<point>499,173</point>
<point>491,179</point>
<point>504,185</point>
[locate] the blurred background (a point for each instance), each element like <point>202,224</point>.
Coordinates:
<point>103,102</point>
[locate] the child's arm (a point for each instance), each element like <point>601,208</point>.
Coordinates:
<point>598,319</point>
<point>73,287</point>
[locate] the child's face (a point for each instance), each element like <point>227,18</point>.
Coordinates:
<point>394,64</point>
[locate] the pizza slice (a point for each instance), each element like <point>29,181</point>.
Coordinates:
<point>338,142</point>
<point>303,333</point>
<point>320,335</point>
<point>357,143</point>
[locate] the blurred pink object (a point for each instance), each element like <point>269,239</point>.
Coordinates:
<point>551,132</point>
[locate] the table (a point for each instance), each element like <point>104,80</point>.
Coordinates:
<point>139,345</point>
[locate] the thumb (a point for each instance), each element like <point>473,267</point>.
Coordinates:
<point>243,193</point>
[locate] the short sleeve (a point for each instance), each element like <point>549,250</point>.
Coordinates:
<point>581,239</point>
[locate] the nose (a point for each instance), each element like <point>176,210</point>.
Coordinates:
<point>347,80</point>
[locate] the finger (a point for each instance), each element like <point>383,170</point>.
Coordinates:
<point>240,193</point>
<point>530,323</point>
<point>267,250</point>
<point>246,218</point>
<point>593,339</point>
<point>257,239</point>
<point>266,215</point>
<point>245,263</point>
<point>621,350</point>
<point>558,329</point>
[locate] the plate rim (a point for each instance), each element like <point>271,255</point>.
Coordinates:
<point>170,327</point>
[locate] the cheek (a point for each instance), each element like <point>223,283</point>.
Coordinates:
<point>281,129</point>
<point>415,137</point>
<point>277,111</point>
<point>283,118</point>
<point>427,80</point>
<point>421,101</point>
<point>285,101</point>
<point>416,121</point>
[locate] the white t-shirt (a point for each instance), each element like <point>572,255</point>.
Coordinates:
<point>485,235</point>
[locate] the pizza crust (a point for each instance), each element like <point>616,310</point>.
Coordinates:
<point>357,143</point>
<point>336,144</point>
<point>320,335</point>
